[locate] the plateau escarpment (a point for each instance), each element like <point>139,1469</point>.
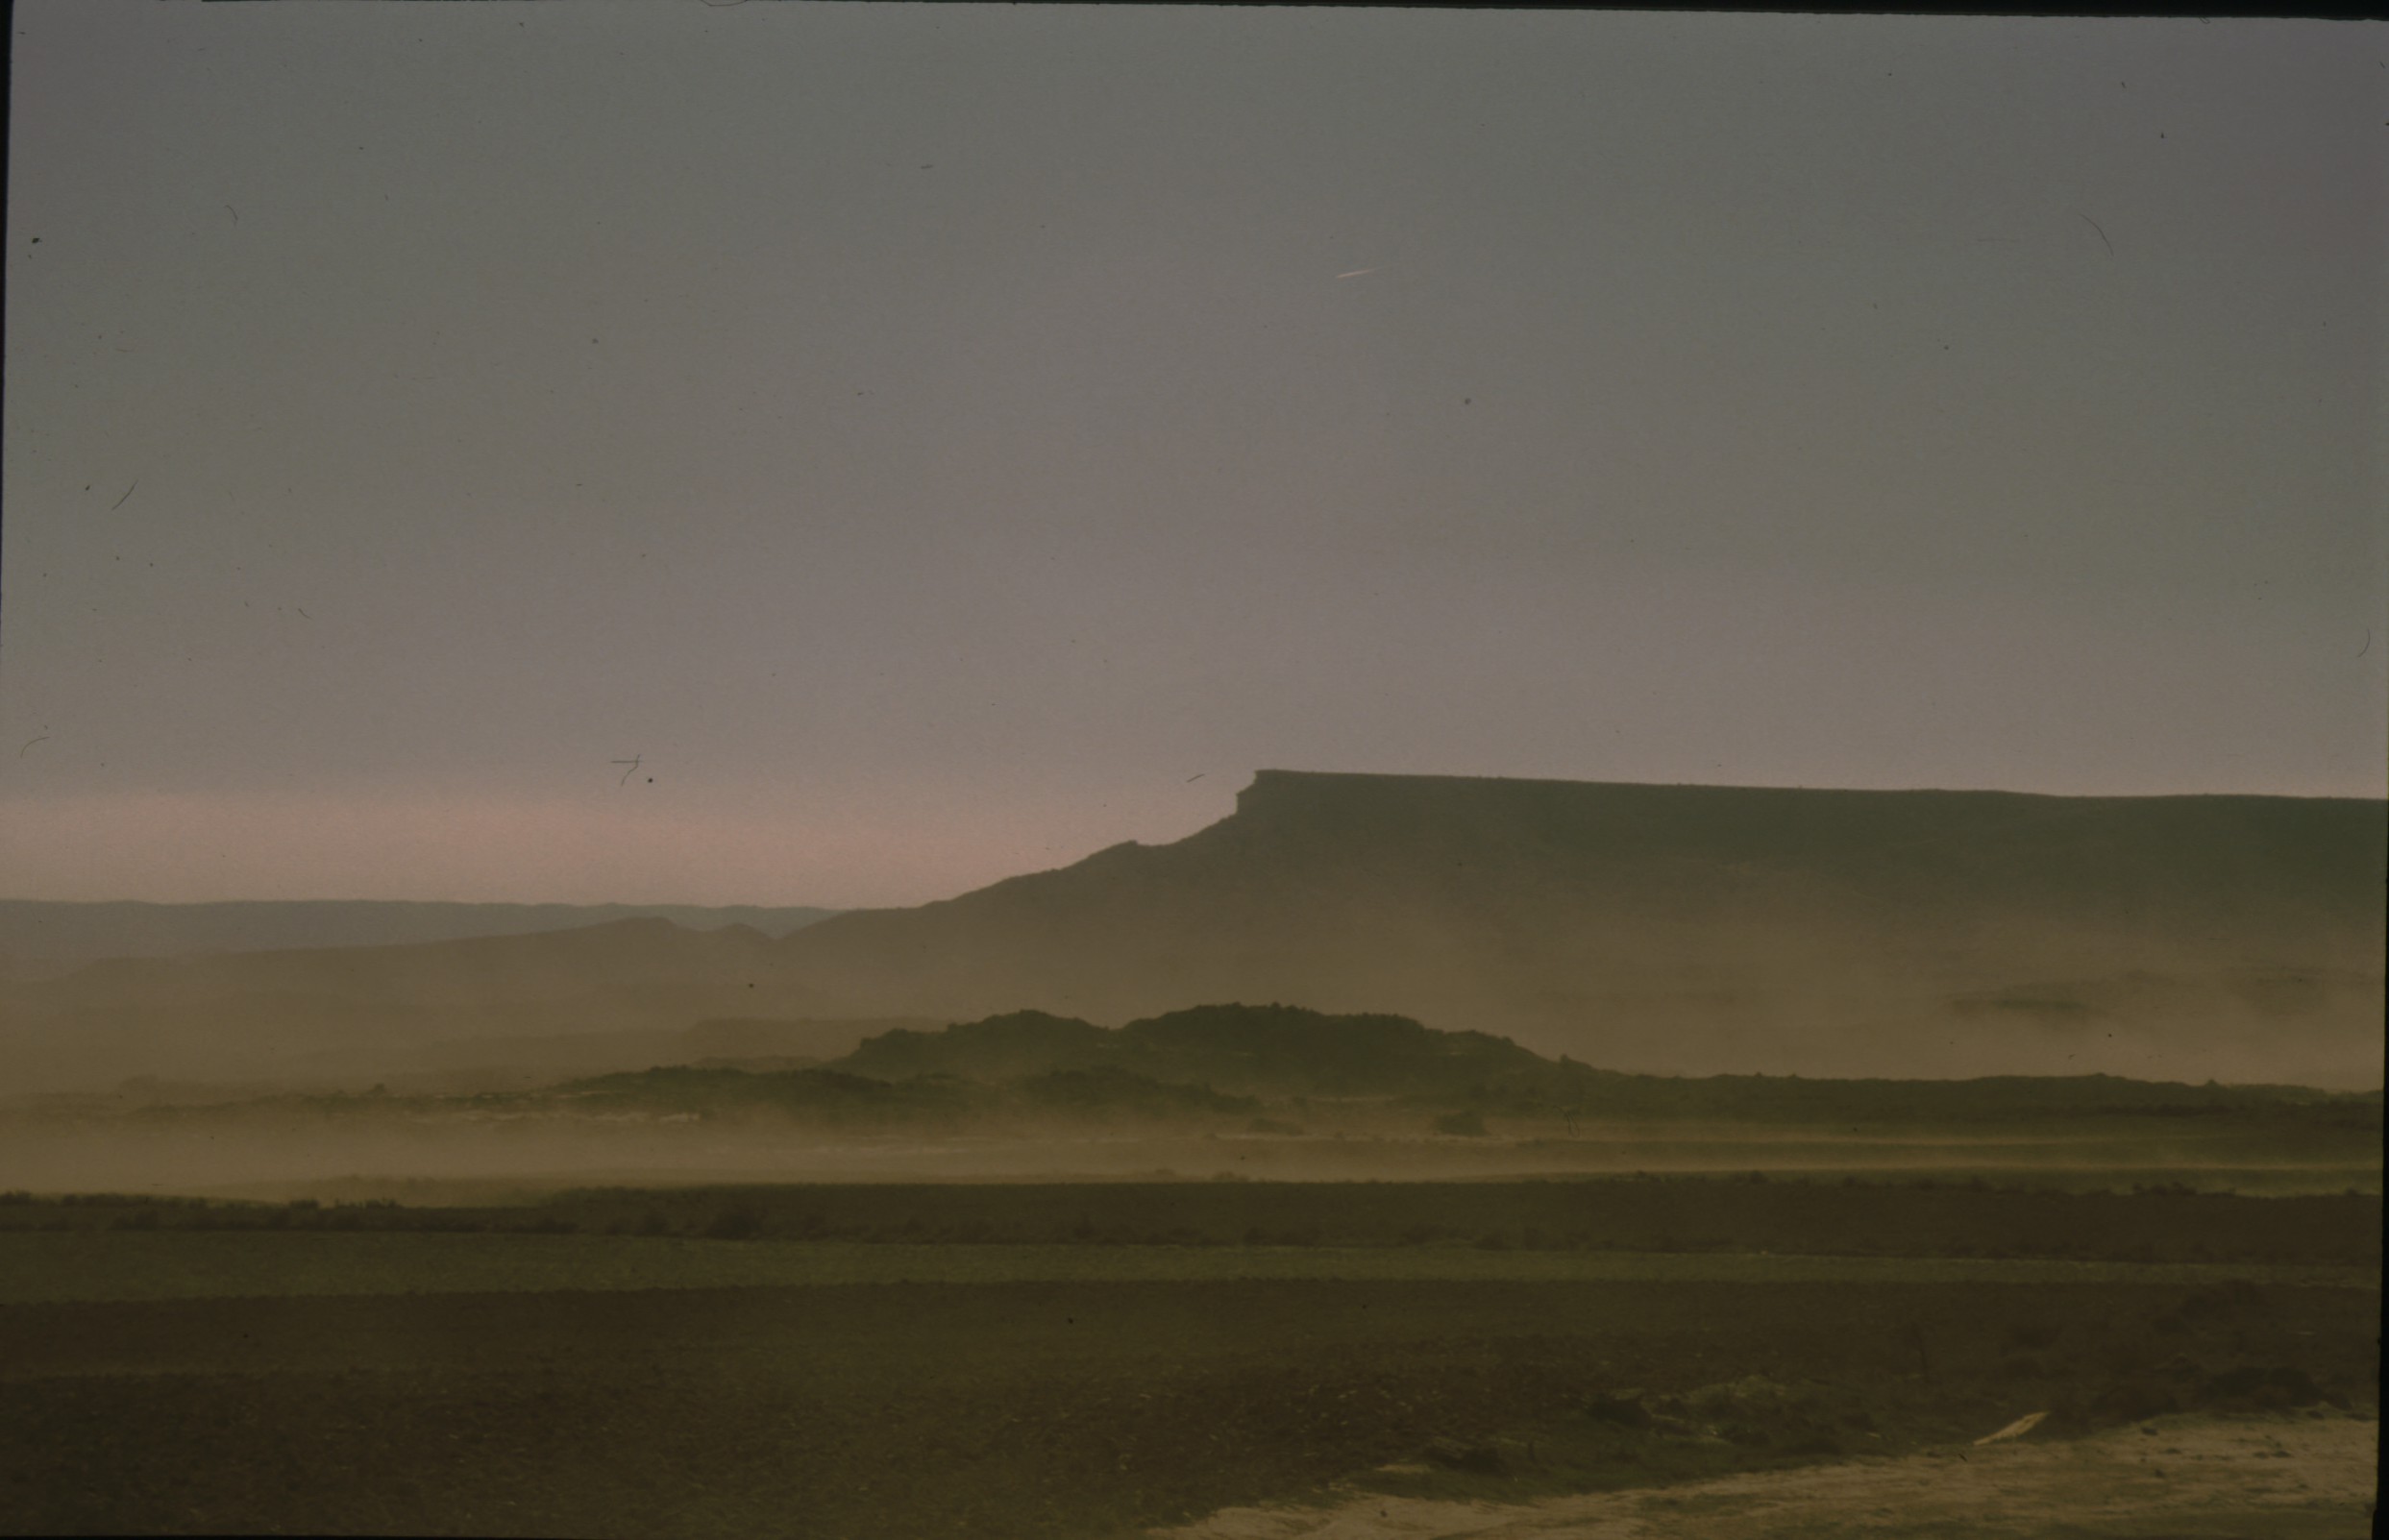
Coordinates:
<point>1704,929</point>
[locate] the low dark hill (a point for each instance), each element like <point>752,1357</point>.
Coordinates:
<point>1284,1052</point>
<point>1704,929</point>
<point>1000,1048</point>
<point>1291,1051</point>
<point>1267,1050</point>
<point>1232,1061</point>
<point>40,939</point>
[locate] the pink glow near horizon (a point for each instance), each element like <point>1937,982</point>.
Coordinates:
<point>195,847</point>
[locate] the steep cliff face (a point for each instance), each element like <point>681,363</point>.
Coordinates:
<point>1698,929</point>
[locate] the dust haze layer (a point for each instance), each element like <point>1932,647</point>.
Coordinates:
<point>1225,1091</point>
<point>1666,929</point>
<point>621,994</point>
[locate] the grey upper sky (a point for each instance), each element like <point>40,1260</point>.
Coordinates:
<point>936,442</point>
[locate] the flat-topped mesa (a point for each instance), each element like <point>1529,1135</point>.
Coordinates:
<point>1702,929</point>
<point>2136,850</point>
<point>1276,792</point>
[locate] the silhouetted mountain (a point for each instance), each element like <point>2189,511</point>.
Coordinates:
<point>39,939</point>
<point>1690,928</point>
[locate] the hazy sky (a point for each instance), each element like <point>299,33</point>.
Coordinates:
<point>929,438</point>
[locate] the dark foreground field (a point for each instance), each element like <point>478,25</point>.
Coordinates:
<point>1045,1386</point>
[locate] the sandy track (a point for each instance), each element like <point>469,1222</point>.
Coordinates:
<point>2277,1478</point>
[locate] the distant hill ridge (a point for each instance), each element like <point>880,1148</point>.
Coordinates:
<point>40,937</point>
<point>371,1012</point>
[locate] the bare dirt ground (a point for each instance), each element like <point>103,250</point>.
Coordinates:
<point>2285,1476</point>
